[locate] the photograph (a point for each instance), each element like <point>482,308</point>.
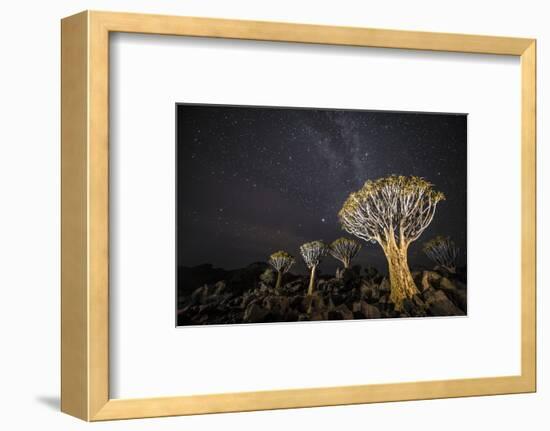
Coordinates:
<point>291,214</point>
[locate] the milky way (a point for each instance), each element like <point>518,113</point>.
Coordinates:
<point>251,181</point>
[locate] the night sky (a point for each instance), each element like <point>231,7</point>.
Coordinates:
<point>254,180</point>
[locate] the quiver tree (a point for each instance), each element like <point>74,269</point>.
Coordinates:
<point>312,252</point>
<point>282,262</point>
<point>344,249</point>
<point>443,251</point>
<point>392,211</point>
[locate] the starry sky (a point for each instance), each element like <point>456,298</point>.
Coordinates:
<point>254,180</point>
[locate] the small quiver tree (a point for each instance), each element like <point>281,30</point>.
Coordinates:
<point>344,249</point>
<point>392,211</point>
<point>312,252</point>
<point>282,262</point>
<point>443,251</point>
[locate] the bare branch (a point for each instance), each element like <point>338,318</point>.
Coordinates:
<point>443,251</point>
<point>344,249</point>
<point>281,261</point>
<point>395,206</point>
<point>312,252</point>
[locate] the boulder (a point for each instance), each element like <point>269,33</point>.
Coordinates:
<point>413,307</point>
<point>446,284</point>
<point>370,293</point>
<point>276,304</point>
<point>334,315</point>
<point>219,288</point>
<point>438,304</point>
<point>384,286</point>
<point>459,298</point>
<point>200,295</point>
<point>429,279</point>
<point>370,311</point>
<point>350,278</point>
<point>295,286</point>
<point>254,313</point>
<point>340,312</point>
<point>371,272</point>
<point>315,302</point>
<point>317,315</point>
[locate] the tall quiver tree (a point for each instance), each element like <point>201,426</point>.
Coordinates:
<point>312,252</point>
<point>392,211</point>
<point>443,251</point>
<point>282,262</point>
<point>344,249</point>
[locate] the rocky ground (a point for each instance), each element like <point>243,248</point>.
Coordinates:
<point>355,294</point>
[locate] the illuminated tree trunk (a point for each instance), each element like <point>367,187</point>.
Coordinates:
<point>401,281</point>
<point>279,279</point>
<point>311,280</point>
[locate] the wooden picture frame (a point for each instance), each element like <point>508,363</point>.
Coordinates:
<point>85,218</point>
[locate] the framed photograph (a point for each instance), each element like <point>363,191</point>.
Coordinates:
<point>269,185</point>
<point>264,215</point>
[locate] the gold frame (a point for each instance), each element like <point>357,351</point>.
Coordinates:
<point>85,224</point>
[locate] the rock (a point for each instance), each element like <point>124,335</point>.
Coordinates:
<point>268,276</point>
<point>291,316</point>
<point>440,305</point>
<point>334,315</point>
<point>337,299</point>
<point>276,304</point>
<point>418,302</point>
<point>315,302</point>
<point>370,293</point>
<point>385,304</point>
<point>370,311</point>
<point>443,270</point>
<point>413,307</point>
<point>340,312</point>
<point>371,272</point>
<point>317,316</point>
<point>351,278</point>
<point>384,286</point>
<point>459,285</point>
<point>354,296</point>
<point>459,298</point>
<point>199,295</point>
<point>296,302</point>
<point>407,306</point>
<point>254,313</point>
<point>294,287</point>
<point>429,279</point>
<point>219,288</point>
<point>446,284</point>
<point>456,295</point>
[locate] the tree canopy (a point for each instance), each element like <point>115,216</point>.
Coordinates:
<point>312,252</point>
<point>396,206</point>
<point>281,261</point>
<point>344,249</point>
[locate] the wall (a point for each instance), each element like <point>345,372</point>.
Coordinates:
<point>29,220</point>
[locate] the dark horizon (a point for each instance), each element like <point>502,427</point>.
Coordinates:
<point>254,180</point>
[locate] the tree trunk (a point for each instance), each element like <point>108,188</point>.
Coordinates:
<point>346,263</point>
<point>401,281</point>
<point>279,279</point>
<point>311,281</point>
